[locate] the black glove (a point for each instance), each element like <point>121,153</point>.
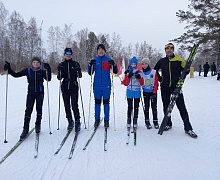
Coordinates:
<point>7,66</point>
<point>137,75</point>
<point>126,72</point>
<point>92,62</point>
<point>130,74</point>
<point>60,67</point>
<point>187,71</point>
<point>111,62</point>
<point>47,66</point>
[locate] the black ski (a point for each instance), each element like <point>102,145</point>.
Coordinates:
<point>15,147</point>
<point>63,141</point>
<point>36,145</point>
<point>128,134</point>
<point>93,133</point>
<point>178,88</point>
<point>73,145</point>
<point>105,139</point>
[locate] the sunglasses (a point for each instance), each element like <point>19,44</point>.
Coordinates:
<point>68,53</point>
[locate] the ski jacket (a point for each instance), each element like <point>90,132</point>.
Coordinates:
<point>171,69</point>
<point>206,67</point>
<point>35,78</point>
<point>150,81</point>
<point>102,71</point>
<point>133,85</point>
<point>213,67</point>
<point>69,73</point>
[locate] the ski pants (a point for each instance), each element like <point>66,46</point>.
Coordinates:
<point>71,97</point>
<point>149,99</point>
<point>31,98</point>
<point>102,94</point>
<point>166,93</point>
<point>205,72</point>
<point>130,107</point>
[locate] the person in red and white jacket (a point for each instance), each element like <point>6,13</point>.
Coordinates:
<point>150,88</point>
<point>133,81</point>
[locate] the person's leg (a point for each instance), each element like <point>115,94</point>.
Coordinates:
<point>39,105</point>
<point>136,110</point>
<point>165,95</point>
<point>154,111</point>
<point>106,99</point>
<point>98,101</point>
<point>129,110</point>
<point>75,107</point>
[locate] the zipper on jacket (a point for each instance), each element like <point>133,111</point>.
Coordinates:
<point>35,82</point>
<point>170,73</point>
<point>68,75</point>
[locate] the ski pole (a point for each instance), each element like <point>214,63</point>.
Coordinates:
<point>48,101</point>
<point>113,97</point>
<point>58,120</point>
<point>90,94</point>
<point>81,99</point>
<point>6,107</point>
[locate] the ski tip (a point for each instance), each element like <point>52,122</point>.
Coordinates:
<point>84,148</point>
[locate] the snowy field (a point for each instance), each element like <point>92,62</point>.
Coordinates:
<point>172,156</point>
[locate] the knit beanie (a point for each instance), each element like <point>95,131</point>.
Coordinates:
<point>146,61</point>
<point>36,59</point>
<point>101,46</point>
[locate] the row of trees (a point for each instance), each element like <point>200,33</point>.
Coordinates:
<point>20,41</point>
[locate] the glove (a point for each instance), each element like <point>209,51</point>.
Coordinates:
<point>60,67</point>
<point>187,71</point>
<point>92,62</point>
<point>153,96</point>
<point>137,75</point>
<point>7,66</point>
<point>130,74</point>
<point>111,62</point>
<point>126,72</point>
<point>47,66</point>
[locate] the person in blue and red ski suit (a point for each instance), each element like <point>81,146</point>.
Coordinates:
<point>101,66</point>
<point>150,88</point>
<point>133,81</point>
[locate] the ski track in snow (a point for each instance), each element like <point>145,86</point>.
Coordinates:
<point>174,155</point>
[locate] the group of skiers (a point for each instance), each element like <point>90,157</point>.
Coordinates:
<point>214,70</point>
<point>137,82</point>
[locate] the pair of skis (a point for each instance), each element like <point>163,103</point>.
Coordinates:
<point>92,135</point>
<point>135,135</point>
<point>73,144</point>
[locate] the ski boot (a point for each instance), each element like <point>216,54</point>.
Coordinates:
<point>96,124</point>
<point>24,134</point>
<point>167,128</point>
<point>106,123</point>
<point>191,133</point>
<point>37,128</point>
<point>77,127</point>
<point>70,125</point>
<point>156,125</point>
<point>147,123</point>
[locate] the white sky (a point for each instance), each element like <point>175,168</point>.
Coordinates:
<point>153,21</point>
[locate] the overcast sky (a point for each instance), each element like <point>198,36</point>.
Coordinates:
<point>153,21</point>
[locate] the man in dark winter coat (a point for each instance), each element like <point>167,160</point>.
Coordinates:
<point>101,65</point>
<point>35,76</point>
<point>206,68</point>
<point>213,69</point>
<point>171,67</point>
<point>68,71</point>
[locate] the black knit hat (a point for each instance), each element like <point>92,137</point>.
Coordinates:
<point>101,46</point>
<point>68,51</point>
<point>36,59</point>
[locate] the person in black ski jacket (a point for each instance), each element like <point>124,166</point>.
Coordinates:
<point>213,69</point>
<point>171,68</point>
<point>68,71</point>
<point>35,77</point>
<point>206,68</point>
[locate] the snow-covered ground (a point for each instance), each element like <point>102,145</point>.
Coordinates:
<point>174,155</point>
